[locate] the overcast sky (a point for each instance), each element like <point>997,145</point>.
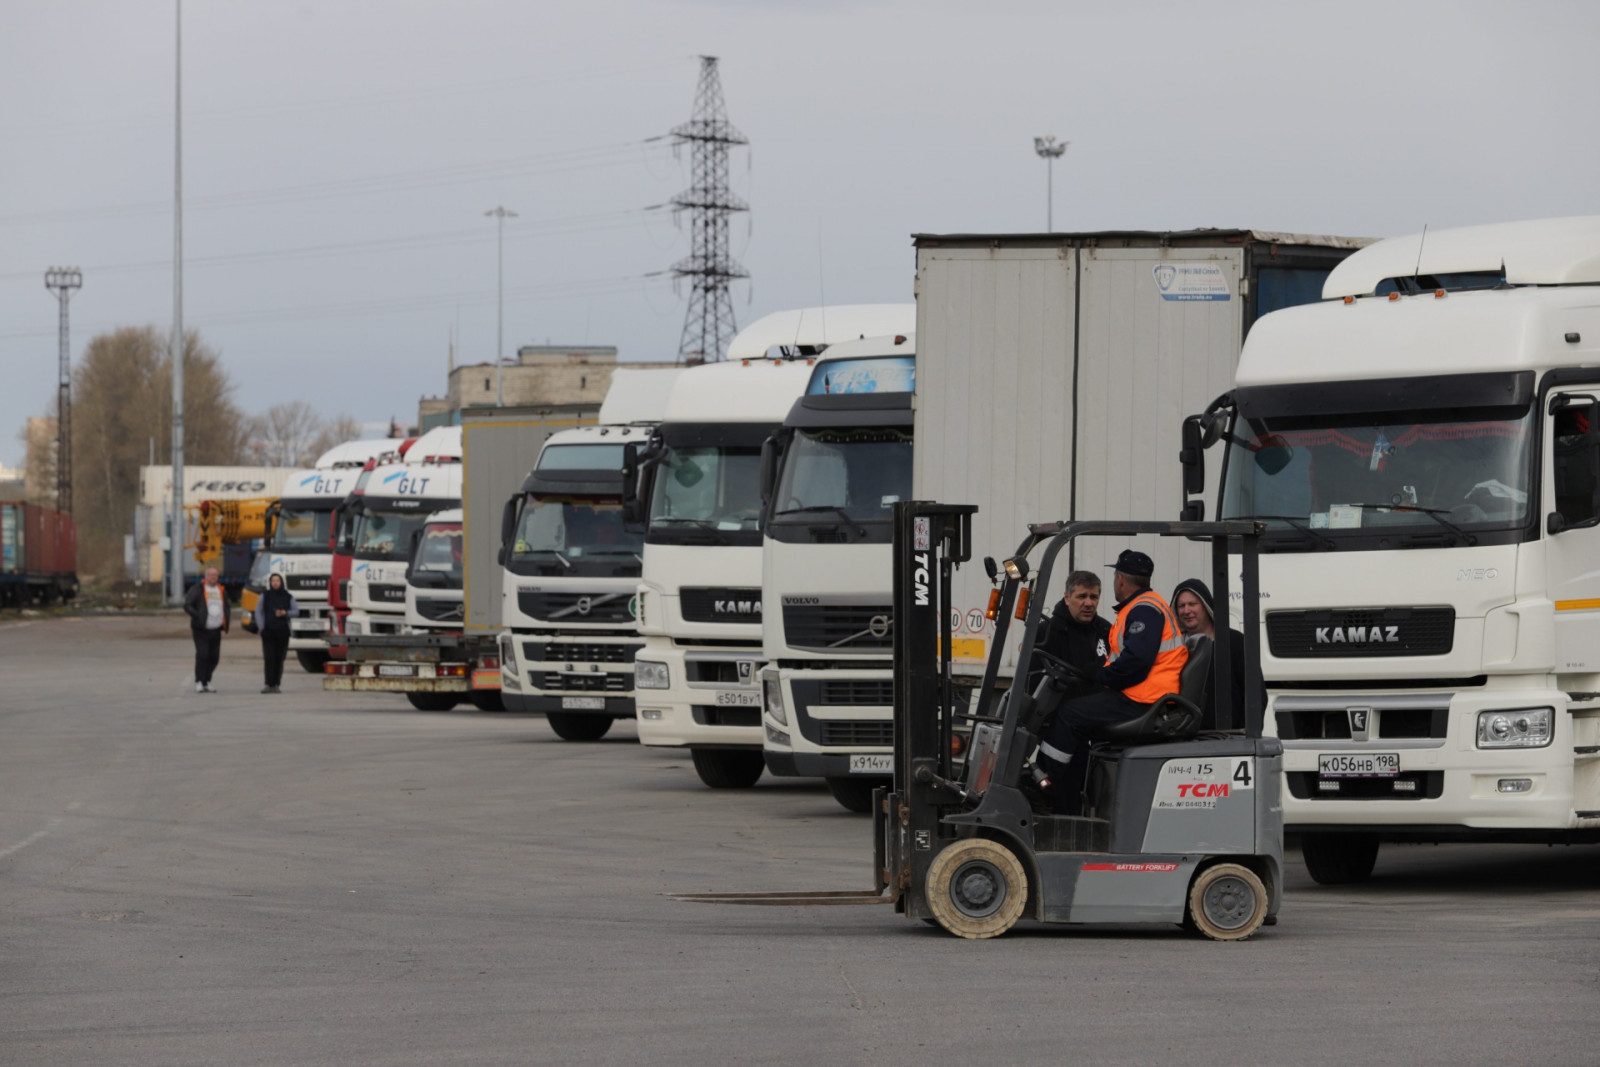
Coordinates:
<point>339,156</point>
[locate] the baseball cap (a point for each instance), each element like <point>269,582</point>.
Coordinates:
<point>1136,564</point>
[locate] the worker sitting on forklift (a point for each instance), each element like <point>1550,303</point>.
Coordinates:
<point>1145,657</point>
<point>1075,633</point>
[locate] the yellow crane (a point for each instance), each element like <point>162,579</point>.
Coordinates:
<point>219,523</point>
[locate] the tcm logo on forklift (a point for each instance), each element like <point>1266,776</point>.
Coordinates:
<point>1191,784</point>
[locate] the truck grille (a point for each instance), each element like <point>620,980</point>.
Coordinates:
<point>834,626</point>
<point>576,607</point>
<point>862,694</point>
<point>577,652</point>
<point>1375,632</point>
<point>721,605</point>
<point>597,682</point>
<point>1392,724</point>
<point>307,583</point>
<point>388,594</point>
<point>439,610</point>
<point>845,733</point>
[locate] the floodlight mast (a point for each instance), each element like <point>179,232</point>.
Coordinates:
<point>1049,150</point>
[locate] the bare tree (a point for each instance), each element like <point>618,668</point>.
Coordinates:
<point>335,431</point>
<point>286,435</point>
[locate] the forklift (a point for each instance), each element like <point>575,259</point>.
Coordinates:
<point>1180,826</point>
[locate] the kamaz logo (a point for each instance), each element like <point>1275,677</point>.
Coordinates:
<point>736,607</point>
<point>920,578</point>
<point>1358,635</point>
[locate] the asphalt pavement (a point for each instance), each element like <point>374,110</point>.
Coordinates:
<point>317,877</point>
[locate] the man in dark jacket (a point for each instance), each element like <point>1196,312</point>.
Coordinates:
<point>1191,601</point>
<point>207,607</point>
<point>1075,632</point>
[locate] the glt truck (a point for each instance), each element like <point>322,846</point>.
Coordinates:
<point>831,477</point>
<point>700,602</point>
<point>1424,448</point>
<point>572,568</point>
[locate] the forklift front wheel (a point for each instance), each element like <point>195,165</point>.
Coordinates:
<point>977,888</point>
<point>1227,902</point>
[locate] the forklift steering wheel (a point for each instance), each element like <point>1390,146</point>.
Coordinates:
<point>1058,668</point>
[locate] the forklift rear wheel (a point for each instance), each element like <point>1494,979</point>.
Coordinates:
<point>1227,902</point>
<point>570,726</point>
<point>488,700</point>
<point>976,888</point>
<point>311,660</point>
<point>1339,859</point>
<point>854,794</point>
<point>728,768</point>
<point>432,701</point>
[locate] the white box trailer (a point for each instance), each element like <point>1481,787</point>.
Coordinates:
<point>1054,372</point>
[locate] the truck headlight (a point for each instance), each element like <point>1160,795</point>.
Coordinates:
<point>1515,728</point>
<point>647,675</point>
<point>773,690</point>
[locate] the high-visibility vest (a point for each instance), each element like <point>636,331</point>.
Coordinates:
<point>1170,658</point>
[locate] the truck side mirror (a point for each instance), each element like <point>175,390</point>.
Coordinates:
<point>508,528</point>
<point>1273,454</point>
<point>411,551</point>
<point>769,469</point>
<point>1554,523</point>
<point>1192,457</point>
<point>630,486</point>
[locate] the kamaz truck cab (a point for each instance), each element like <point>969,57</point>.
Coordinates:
<point>1423,448</point>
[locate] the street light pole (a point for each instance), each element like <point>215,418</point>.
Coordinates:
<point>177,527</point>
<point>1049,151</point>
<point>500,214</point>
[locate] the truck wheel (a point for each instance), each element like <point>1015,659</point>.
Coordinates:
<point>488,700</point>
<point>854,794</point>
<point>728,768</point>
<point>1227,902</point>
<point>433,701</point>
<point>976,888</point>
<point>1339,859</point>
<point>573,727</point>
<point>311,660</point>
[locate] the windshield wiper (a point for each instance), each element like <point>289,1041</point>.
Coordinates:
<point>718,536</point>
<point>1298,522</point>
<point>814,508</point>
<point>1432,513</point>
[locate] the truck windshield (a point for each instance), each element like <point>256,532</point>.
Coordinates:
<point>439,550</point>
<point>1335,481</point>
<point>301,530</point>
<point>384,534</point>
<point>856,474</point>
<point>707,495</point>
<point>566,530</point>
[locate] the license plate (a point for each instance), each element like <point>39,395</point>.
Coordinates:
<point>584,703</point>
<point>732,698</point>
<point>875,764</point>
<point>1358,765</point>
<point>396,670</point>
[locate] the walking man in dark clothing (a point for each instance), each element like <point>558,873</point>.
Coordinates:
<point>207,607</point>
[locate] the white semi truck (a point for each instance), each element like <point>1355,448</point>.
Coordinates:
<point>830,478</point>
<point>1423,447</point>
<point>697,678</point>
<point>395,500</point>
<point>299,544</point>
<point>572,568</point>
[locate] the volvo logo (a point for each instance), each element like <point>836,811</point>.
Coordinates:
<point>878,626</point>
<point>1357,635</point>
<point>584,604</point>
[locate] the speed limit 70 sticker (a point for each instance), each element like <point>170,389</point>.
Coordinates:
<point>1199,783</point>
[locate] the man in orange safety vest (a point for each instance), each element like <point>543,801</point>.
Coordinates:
<point>1146,657</point>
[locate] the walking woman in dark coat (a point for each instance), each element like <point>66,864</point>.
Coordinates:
<point>274,610</point>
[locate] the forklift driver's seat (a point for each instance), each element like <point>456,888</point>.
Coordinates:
<point>1175,715</point>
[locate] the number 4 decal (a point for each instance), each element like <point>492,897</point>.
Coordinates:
<point>1244,773</point>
